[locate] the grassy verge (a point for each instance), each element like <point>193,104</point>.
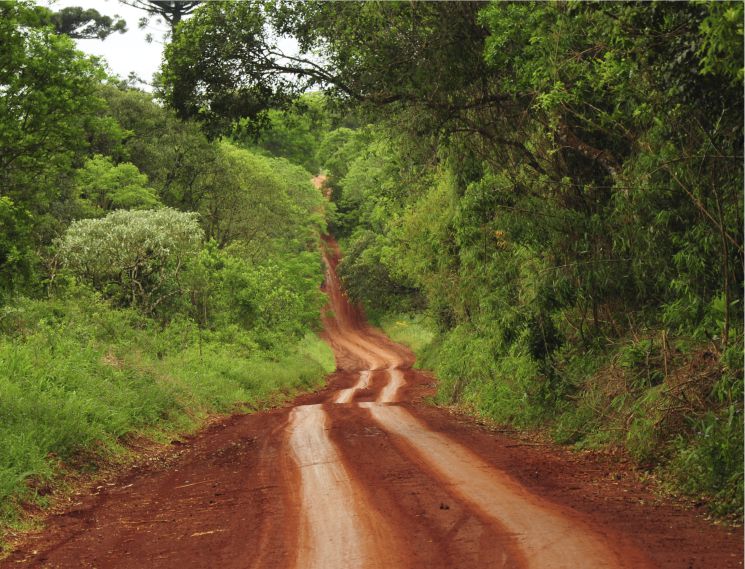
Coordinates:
<point>414,331</point>
<point>674,406</point>
<point>76,376</point>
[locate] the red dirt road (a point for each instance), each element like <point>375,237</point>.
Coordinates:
<point>362,474</point>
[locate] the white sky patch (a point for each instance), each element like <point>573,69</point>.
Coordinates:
<point>130,52</point>
<point>124,53</point>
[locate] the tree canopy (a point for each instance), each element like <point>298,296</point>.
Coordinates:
<point>81,23</point>
<point>172,11</point>
<point>547,181</point>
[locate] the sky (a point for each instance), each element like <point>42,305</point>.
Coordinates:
<point>131,52</point>
<point>125,53</point>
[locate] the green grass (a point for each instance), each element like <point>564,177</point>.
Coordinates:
<point>616,396</point>
<point>416,331</point>
<point>76,376</point>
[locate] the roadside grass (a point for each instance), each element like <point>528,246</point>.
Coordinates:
<point>414,331</point>
<point>678,414</point>
<point>77,376</point>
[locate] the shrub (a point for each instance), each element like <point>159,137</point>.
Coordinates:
<point>711,462</point>
<point>133,257</point>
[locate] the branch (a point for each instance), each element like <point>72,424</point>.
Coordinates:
<point>697,202</point>
<point>601,156</point>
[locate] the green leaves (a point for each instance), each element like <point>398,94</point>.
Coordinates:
<point>134,257</point>
<point>258,201</point>
<point>48,93</point>
<point>15,251</point>
<point>220,67</point>
<point>47,98</point>
<point>106,186</point>
<point>721,47</point>
<point>80,23</point>
<point>296,132</point>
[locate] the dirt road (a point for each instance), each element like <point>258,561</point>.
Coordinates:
<point>363,475</point>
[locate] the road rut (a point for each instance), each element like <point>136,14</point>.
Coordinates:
<point>362,475</point>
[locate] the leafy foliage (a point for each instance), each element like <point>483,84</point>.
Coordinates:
<point>217,81</point>
<point>81,23</point>
<point>296,133</point>
<point>105,186</point>
<point>136,257</point>
<point>246,200</point>
<point>48,99</point>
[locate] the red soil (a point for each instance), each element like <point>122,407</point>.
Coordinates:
<point>363,474</point>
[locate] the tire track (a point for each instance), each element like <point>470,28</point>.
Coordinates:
<point>336,530</point>
<point>347,395</point>
<point>389,393</point>
<point>547,538</point>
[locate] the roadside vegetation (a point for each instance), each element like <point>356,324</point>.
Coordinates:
<point>544,200</point>
<point>149,276</point>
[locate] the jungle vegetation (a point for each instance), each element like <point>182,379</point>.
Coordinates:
<point>547,198</point>
<point>544,199</point>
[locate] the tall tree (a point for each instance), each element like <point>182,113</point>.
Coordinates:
<point>81,23</point>
<point>48,98</point>
<point>218,82</point>
<point>172,11</point>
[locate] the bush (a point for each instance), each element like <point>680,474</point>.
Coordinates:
<point>415,331</point>
<point>133,257</point>
<point>710,463</point>
<point>77,375</point>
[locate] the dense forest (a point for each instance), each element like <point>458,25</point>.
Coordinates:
<point>545,200</point>
<point>148,275</point>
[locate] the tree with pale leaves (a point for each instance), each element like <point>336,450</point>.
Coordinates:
<point>136,258</point>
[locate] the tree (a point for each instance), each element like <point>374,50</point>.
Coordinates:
<point>49,90</point>
<point>106,186</point>
<point>245,200</point>
<point>219,82</point>
<point>134,257</point>
<point>175,155</point>
<point>172,11</point>
<point>81,23</point>
<point>295,133</point>
<point>47,111</point>
<point>277,298</point>
<point>16,253</point>
<point>382,53</point>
